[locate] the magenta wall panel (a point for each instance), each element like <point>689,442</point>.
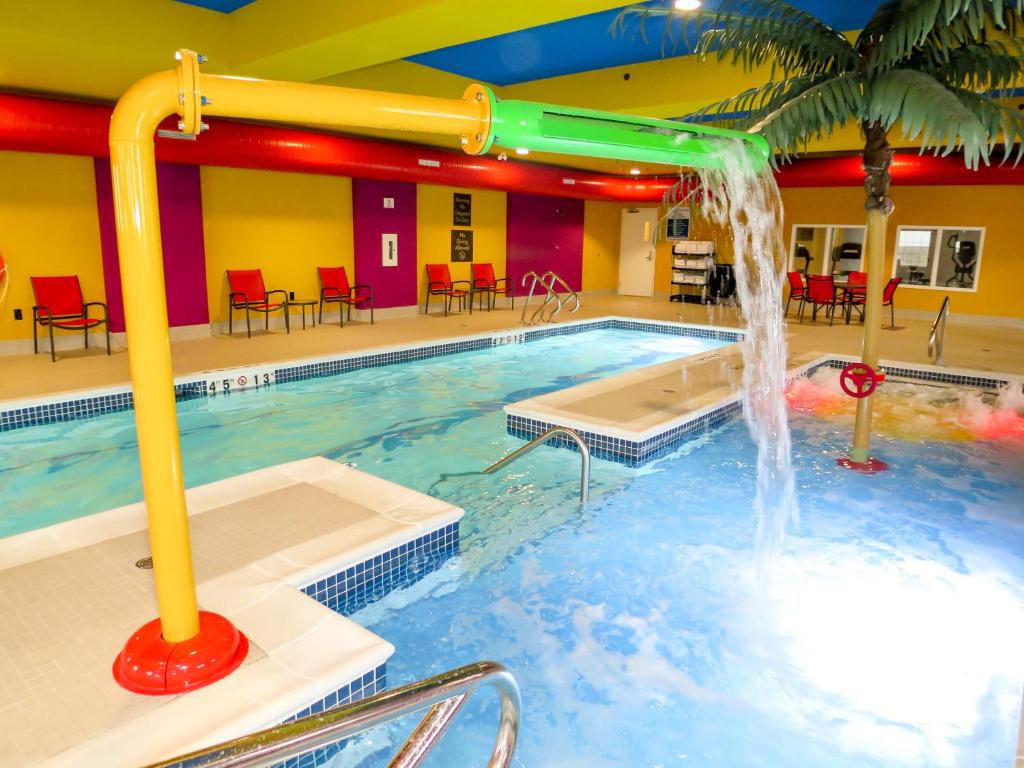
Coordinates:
<point>392,286</point>
<point>181,233</point>
<point>544,233</point>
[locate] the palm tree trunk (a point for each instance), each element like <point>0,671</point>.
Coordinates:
<point>877,157</point>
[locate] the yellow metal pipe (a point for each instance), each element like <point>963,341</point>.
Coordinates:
<point>133,169</point>
<point>468,118</point>
<point>877,222</point>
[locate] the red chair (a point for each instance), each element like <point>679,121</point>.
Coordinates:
<point>59,304</point>
<point>334,287</point>
<point>484,282</point>
<point>855,294</point>
<point>249,293</point>
<point>821,291</point>
<point>888,297</point>
<point>796,289</point>
<point>439,283</point>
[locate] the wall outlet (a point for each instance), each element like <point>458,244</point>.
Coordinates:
<point>17,314</point>
<point>291,295</point>
<point>389,202</point>
<point>389,250</point>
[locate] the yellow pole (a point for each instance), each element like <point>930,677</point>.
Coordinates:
<point>133,169</point>
<point>877,221</point>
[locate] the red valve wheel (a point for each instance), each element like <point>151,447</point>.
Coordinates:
<point>860,380</point>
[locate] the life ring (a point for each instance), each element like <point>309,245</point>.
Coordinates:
<point>860,380</point>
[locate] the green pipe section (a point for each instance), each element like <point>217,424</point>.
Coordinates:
<point>589,133</point>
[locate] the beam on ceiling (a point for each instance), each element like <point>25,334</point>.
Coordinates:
<point>274,39</point>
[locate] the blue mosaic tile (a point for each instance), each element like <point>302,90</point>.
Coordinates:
<point>373,682</point>
<point>367,582</point>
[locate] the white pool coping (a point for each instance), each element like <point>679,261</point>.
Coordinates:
<point>309,650</point>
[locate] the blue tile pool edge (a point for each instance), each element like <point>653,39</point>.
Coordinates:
<point>634,453</point>
<point>355,587</point>
<point>73,408</point>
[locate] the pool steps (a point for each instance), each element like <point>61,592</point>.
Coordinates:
<point>264,542</point>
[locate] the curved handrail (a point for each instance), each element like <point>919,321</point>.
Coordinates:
<point>540,440</point>
<point>444,694</point>
<point>529,296</point>
<point>937,335</point>
<point>561,302</point>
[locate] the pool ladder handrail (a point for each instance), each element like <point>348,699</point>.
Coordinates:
<point>542,438</point>
<point>937,336</point>
<point>547,280</point>
<point>444,694</point>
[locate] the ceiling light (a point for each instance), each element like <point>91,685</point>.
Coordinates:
<point>522,151</point>
<point>687,5</point>
<point>634,171</point>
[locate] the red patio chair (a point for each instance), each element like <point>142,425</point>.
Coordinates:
<point>59,304</point>
<point>485,282</point>
<point>888,298</point>
<point>439,283</point>
<point>821,291</point>
<point>249,293</point>
<point>334,287</point>
<point>855,294</point>
<point>796,289</point>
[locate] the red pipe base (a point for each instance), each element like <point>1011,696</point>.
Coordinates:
<point>869,467</point>
<point>149,664</point>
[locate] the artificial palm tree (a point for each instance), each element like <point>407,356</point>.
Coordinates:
<point>936,67</point>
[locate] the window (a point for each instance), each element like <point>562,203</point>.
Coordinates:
<point>948,258</point>
<point>826,249</point>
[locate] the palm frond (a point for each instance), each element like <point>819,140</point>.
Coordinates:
<point>755,101</point>
<point>1002,122</point>
<point>990,65</point>
<point>928,111</point>
<point>898,27</point>
<point>814,113</point>
<point>751,32</point>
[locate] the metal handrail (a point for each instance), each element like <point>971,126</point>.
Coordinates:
<point>444,694</point>
<point>561,302</point>
<point>540,440</point>
<point>529,296</point>
<point>937,336</point>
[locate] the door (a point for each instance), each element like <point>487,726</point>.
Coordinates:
<point>636,252</point>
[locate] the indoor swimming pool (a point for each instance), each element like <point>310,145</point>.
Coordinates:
<point>889,633</point>
<point>409,422</point>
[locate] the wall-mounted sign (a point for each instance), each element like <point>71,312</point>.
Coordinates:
<point>462,210</point>
<point>462,245</point>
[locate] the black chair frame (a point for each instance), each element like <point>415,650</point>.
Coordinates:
<point>42,316</point>
<point>483,287</point>
<point>350,299</point>
<point>437,288</point>
<point>238,300</point>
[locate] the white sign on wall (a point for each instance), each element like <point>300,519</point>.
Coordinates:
<point>239,379</point>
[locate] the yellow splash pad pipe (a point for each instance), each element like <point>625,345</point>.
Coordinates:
<point>189,94</point>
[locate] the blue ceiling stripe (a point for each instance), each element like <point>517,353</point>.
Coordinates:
<point>224,6</point>
<point>585,43</point>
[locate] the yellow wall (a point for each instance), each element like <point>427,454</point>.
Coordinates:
<point>48,226</point>
<point>286,224</point>
<point>434,227</point>
<point>999,209</point>
<point>601,225</point>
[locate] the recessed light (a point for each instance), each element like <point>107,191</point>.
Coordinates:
<point>687,5</point>
<point>522,151</point>
<point>634,171</point>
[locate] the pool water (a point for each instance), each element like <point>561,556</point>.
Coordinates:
<point>407,422</point>
<point>890,633</point>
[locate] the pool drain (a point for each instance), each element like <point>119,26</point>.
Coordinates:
<point>145,563</point>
